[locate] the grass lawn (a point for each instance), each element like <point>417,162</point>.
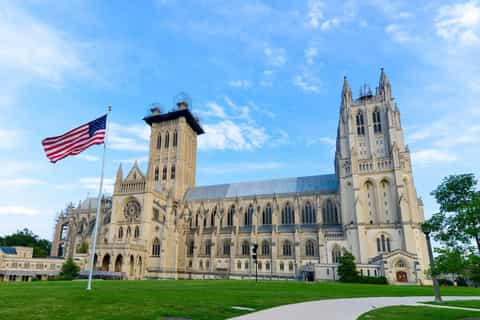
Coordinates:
<point>418,313</point>
<point>190,299</point>
<point>475,304</point>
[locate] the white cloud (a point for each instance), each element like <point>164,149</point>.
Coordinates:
<point>459,22</point>
<point>18,210</point>
<point>94,183</point>
<point>32,49</point>
<point>323,140</point>
<point>10,138</point>
<point>315,13</point>
<point>276,57</point>
<point>88,157</point>
<point>430,156</point>
<point>214,110</point>
<point>310,55</point>
<point>328,24</point>
<point>307,82</point>
<point>20,182</point>
<point>128,137</point>
<point>267,80</point>
<point>239,84</point>
<point>399,33</point>
<point>241,167</point>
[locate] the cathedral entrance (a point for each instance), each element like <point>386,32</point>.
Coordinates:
<point>402,276</point>
<point>106,263</point>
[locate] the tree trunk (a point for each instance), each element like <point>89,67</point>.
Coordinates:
<point>477,238</point>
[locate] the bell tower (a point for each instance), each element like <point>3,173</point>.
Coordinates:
<point>173,149</point>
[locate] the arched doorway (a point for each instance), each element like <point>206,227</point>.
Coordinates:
<point>95,259</point>
<point>402,276</point>
<point>106,263</point>
<point>132,267</point>
<point>118,263</point>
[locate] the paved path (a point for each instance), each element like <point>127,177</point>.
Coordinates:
<point>339,309</point>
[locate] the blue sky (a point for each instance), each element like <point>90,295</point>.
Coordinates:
<point>265,78</point>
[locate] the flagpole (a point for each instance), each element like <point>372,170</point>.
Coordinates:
<point>99,203</point>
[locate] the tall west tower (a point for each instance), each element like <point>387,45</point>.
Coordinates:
<point>380,208</point>
<point>173,150</point>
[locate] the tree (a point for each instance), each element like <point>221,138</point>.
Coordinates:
<point>26,238</point>
<point>70,270</point>
<point>347,270</point>
<point>83,247</point>
<point>458,220</point>
<point>450,261</point>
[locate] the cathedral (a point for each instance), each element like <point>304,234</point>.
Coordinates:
<point>159,224</point>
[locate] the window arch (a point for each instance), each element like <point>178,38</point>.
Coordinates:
<point>383,244</point>
<point>377,123</point>
<point>230,215</point>
<point>310,248</point>
<point>308,214</point>
<point>265,248</point>
<point>336,254</point>
<point>175,138</point>
<point>156,248</point>
<point>330,213</point>
<point>172,172</point>
<point>164,173</point>
<point>129,232</point>
<point>360,124</point>
<point>159,141</point>
<point>287,248</point>
<point>245,248</point>
<point>267,215</point>
<point>191,248</point>
<point>248,216</point>
<point>196,218</point>
<point>288,214</point>
<point>120,233</point>
<point>167,140</point>
<point>208,247</point>
<point>136,233</point>
<point>226,247</point>
<point>156,174</point>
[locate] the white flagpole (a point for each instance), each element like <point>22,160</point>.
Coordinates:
<point>99,203</point>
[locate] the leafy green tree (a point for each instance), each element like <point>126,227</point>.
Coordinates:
<point>450,261</point>
<point>70,270</point>
<point>83,248</point>
<point>473,269</point>
<point>347,270</point>
<point>458,220</point>
<point>26,238</point>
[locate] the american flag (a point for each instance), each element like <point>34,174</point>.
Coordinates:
<point>76,140</point>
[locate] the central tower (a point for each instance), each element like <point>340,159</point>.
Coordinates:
<point>173,149</point>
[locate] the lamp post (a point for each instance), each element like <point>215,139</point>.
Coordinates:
<point>436,287</point>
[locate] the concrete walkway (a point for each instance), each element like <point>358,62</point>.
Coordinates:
<point>339,309</point>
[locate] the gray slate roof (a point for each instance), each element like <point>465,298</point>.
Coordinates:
<point>327,183</point>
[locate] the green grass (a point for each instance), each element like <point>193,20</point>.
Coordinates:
<point>189,299</point>
<point>475,304</point>
<point>418,313</point>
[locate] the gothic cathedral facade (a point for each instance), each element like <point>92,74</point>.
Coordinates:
<point>160,225</point>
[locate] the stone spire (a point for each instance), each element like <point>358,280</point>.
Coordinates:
<point>119,179</point>
<point>384,87</point>
<point>346,93</point>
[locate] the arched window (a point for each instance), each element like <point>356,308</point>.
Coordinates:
<point>230,216</point>
<point>282,266</point>
<point>290,266</point>
<point>288,214</point>
<point>336,254</point>
<point>308,214</point>
<point>226,247</point>
<point>191,248</point>
<point>212,218</point>
<point>377,123</point>
<point>167,140</point>
<point>196,219</point>
<point>156,174</point>
<point>248,216</point>
<point>164,173</point>
<point>383,244</point>
<point>360,124</point>
<point>120,233</point>
<point>330,213</point>
<point>156,248</point>
<point>136,233</point>
<point>267,215</point>
<point>310,248</point>
<point>175,138</point>
<point>245,248</point>
<point>172,172</point>
<point>205,222</point>
<point>129,232</point>
<point>265,248</point>
<point>287,248</point>
<point>159,141</point>
<point>208,247</point>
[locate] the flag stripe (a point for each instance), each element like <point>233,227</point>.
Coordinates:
<point>75,141</point>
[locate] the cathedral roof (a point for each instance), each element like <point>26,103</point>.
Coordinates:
<point>9,250</point>
<point>327,183</point>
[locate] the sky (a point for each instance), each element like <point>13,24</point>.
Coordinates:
<point>264,77</point>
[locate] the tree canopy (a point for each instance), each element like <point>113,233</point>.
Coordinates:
<point>26,238</point>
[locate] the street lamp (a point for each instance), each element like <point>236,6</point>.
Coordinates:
<point>436,287</point>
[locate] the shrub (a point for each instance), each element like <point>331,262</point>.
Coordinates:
<point>445,282</point>
<point>69,270</point>
<point>347,270</point>
<point>461,282</point>
<point>372,280</point>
